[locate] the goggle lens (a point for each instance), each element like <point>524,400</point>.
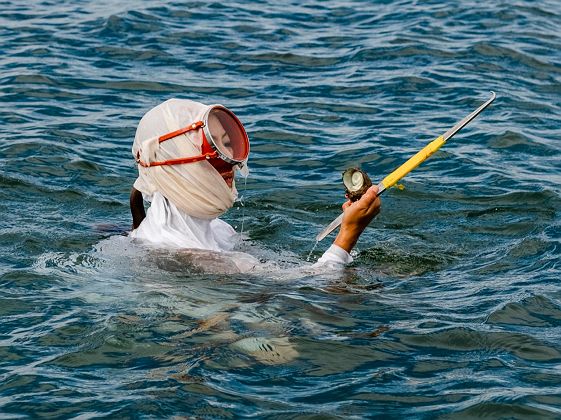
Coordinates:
<point>228,135</point>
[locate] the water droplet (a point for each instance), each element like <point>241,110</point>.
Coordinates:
<point>313,249</point>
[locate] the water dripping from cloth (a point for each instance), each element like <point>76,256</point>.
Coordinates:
<point>244,172</point>
<point>312,250</point>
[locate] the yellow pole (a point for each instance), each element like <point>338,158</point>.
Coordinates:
<point>414,161</point>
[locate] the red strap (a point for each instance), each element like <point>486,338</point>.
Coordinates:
<point>178,161</point>
<point>207,154</point>
<point>181,131</point>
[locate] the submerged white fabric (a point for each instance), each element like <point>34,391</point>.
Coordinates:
<point>196,189</point>
<point>168,227</point>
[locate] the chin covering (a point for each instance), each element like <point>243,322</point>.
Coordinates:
<point>196,189</point>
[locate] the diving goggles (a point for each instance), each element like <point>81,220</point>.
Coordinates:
<point>224,137</point>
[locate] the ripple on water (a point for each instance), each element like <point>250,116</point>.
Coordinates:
<point>485,344</point>
<point>451,305</point>
<point>536,311</point>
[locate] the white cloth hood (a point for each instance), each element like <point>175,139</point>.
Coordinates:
<point>194,188</point>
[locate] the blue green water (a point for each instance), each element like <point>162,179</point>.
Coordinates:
<point>452,307</point>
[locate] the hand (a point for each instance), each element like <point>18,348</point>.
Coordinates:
<point>356,217</point>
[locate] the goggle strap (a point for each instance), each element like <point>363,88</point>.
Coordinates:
<point>178,161</point>
<point>194,126</point>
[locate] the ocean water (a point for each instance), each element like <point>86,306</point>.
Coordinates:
<point>452,306</point>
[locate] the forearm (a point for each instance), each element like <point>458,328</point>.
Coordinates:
<point>356,217</point>
<point>347,238</point>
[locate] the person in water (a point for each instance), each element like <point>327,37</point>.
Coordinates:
<point>187,155</point>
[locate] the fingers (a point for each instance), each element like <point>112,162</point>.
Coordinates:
<point>372,191</point>
<point>370,195</point>
<point>371,200</point>
<point>368,202</point>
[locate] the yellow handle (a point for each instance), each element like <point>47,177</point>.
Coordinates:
<point>413,162</point>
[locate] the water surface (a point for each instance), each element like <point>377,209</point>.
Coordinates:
<point>452,307</point>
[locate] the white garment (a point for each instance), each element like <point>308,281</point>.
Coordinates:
<point>168,227</point>
<point>335,255</point>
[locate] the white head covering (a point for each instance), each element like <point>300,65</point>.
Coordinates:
<point>194,188</point>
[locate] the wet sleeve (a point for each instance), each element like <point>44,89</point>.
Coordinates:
<point>335,255</point>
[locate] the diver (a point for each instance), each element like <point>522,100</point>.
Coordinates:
<point>187,155</point>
